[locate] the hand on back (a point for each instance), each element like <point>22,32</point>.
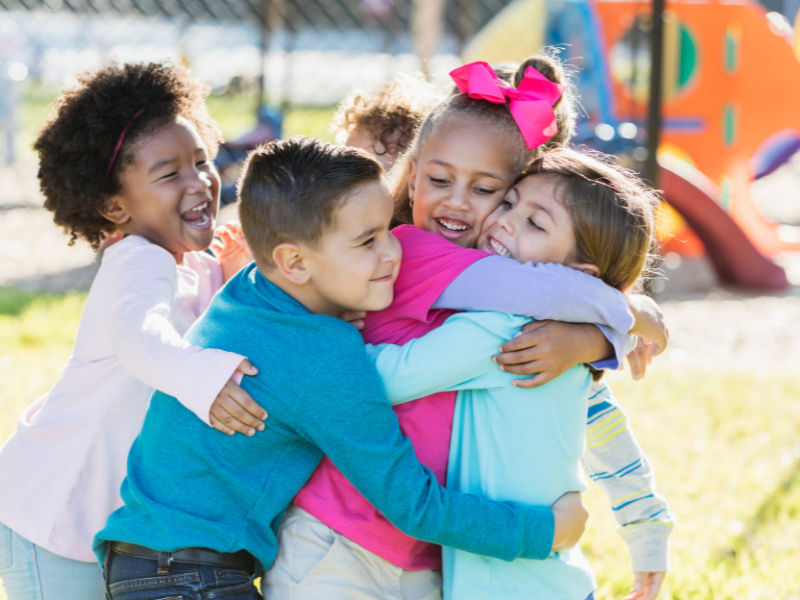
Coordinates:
<point>234,410</point>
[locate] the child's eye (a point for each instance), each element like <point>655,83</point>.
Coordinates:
<point>506,205</point>
<point>202,162</point>
<point>484,191</point>
<point>368,242</point>
<point>534,225</point>
<point>168,175</point>
<point>439,181</point>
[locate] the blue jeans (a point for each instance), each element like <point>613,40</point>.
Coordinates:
<point>131,578</point>
<point>29,572</point>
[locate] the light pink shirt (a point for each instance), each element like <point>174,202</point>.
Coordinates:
<point>61,471</point>
<point>430,263</point>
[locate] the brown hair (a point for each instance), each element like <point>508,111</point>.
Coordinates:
<point>460,106</point>
<point>290,190</point>
<point>612,212</point>
<point>76,145</point>
<point>397,108</point>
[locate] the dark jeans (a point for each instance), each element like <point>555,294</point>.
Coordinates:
<point>130,578</point>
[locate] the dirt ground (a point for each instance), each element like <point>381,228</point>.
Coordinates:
<point>712,327</point>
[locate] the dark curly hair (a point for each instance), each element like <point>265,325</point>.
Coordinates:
<point>399,107</point>
<point>76,145</point>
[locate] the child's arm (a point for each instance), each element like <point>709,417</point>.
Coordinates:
<point>457,355</point>
<point>366,444</point>
<point>614,460</point>
<point>151,350</point>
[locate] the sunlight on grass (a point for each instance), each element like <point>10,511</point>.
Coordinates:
<point>725,448</point>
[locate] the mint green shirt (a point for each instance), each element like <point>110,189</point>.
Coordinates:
<point>508,443</point>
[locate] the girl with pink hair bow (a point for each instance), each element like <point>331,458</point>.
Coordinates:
<point>462,161</point>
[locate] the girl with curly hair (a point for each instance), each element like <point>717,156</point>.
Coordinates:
<point>128,153</point>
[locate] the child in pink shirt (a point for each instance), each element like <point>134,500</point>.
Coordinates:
<point>129,152</point>
<point>477,158</point>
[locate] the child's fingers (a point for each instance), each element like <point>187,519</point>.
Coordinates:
<point>233,417</point>
<point>638,361</point>
<point>247,368</point>
<point>653,585</point>
<point>528,336</point>
<point>251,411</point>
<point>524,355</point>
<point>540,379</point>
<point>220,426</point>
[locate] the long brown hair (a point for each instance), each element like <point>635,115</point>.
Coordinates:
<point>612,212</point>
<point>460,107</point>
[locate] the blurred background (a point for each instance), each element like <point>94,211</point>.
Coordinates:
<point>719,412</point>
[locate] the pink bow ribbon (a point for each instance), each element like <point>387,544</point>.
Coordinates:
<point>531,104</point>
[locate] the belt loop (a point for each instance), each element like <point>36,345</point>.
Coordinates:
<point>164,561</point>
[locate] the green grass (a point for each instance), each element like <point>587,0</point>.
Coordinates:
<point>736,494</point>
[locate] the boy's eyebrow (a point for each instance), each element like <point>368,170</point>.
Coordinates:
<point>482,173</point>
<point>161,163</point>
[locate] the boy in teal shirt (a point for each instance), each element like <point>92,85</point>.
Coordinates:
<point>197,501</point>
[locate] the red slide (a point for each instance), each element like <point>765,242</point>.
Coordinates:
<point>736,260</point>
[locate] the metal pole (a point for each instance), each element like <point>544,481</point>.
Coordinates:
<point>654,105</point>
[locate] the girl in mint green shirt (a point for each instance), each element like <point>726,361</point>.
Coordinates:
<point>519,444</point>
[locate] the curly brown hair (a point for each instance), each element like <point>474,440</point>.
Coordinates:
<point>398,107</point>
<point>76,145</point>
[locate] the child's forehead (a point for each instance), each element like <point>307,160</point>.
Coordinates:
<point>367,206</point>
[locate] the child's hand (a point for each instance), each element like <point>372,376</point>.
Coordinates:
<point>649,323</point>
<point>646,586</point>
<point>571,516</point>
<point>550,348</point>
<point>354,317</point>
<point>231,249</point>
<point>639,358</point>
<point>234,410</point>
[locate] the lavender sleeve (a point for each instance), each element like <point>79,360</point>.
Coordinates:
<point>544,291</point>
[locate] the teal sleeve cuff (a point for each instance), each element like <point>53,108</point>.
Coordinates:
<point>540,530</point>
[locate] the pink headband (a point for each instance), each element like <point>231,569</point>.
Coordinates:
<point>531,104</point>
<point>121,139</point>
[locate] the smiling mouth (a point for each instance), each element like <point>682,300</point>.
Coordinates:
<point>199,217</point>
<point>498,248</point>
<point>384,278</point>
<point>451,228</point>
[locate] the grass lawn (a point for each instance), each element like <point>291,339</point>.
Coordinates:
<point>725,448</point>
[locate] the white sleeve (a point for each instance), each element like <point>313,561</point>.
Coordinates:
<point>147,344</point>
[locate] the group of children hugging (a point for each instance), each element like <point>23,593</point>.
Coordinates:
<point>321,402</point>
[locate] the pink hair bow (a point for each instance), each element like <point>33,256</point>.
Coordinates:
<point>531,104</point>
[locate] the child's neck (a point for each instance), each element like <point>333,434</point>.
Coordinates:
<point>305,294</point>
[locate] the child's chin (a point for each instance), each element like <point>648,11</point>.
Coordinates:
<point>379,302</point>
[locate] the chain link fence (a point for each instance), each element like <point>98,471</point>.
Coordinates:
<point>288,53</point>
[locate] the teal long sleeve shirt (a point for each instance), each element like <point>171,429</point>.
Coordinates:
<point>189,485</point>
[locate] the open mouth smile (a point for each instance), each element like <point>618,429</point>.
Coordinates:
<point>498,248</point>
<point>452,228</point>
<point>199,217</point>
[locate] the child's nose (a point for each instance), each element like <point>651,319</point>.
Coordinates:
<point>457,199</point>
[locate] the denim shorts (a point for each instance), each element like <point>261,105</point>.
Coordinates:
<point>131,578</point>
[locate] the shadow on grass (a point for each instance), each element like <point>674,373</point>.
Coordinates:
<point>770,510</point>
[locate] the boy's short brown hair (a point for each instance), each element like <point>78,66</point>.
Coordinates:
<point>290,190</point>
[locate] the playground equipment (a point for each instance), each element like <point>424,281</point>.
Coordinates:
<point>731,91</point>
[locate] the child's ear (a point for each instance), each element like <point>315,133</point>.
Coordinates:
<point>592,270</point>
<point>289,260</point>
<point>412,179</point>
<point>114,210</point>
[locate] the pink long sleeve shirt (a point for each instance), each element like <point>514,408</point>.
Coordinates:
<point>61,471</point>
<point>430,264</point>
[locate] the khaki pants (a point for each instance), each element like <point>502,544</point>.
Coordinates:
<point>316,563</point>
